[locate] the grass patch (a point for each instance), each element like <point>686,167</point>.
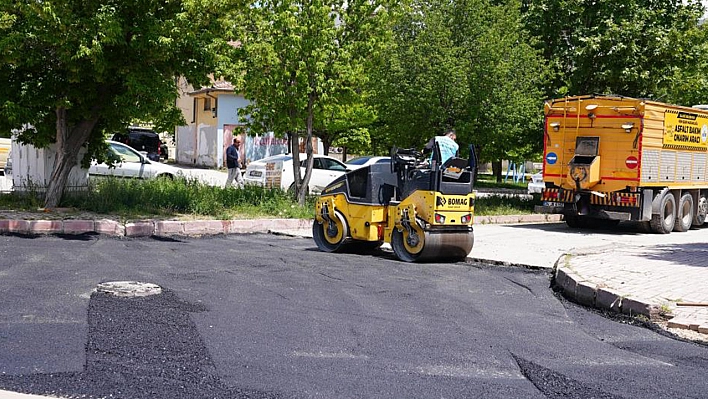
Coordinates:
<point>188,198</point>
<point>495,205</point>
<point>489,181</point>
<point>136,199</point>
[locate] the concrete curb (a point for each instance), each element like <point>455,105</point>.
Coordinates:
<point>512,219</point>
<point>147,228</point>
<point>577,289</point>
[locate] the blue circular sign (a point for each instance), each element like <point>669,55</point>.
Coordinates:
<point>551,158</point>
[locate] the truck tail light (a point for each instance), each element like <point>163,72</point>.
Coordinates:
<point>552,194</point>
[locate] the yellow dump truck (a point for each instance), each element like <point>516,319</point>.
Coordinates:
<point>610,158</point>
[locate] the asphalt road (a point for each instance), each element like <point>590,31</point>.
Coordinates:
<point>259,316</point>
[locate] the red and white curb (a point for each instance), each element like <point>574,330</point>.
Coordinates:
<point>148,228</point>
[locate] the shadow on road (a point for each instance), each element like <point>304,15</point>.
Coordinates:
<point>624,228</point>
<point>689,254</point>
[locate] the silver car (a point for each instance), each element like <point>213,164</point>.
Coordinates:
<point>132,164</point>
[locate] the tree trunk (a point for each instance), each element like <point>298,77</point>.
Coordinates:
<point>344,154</point>
<point>497,170</point>
<point>302,195</point>
<point>68,146</point>
<point>295,151</point>
<point>326,143</point>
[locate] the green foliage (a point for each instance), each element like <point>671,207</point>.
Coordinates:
<point>73,69</point>
<point>113,61</point>
<point>136,199</point>
<point>636,48</point>
<point>345,126</point>
<point>189,198</point>
<point>300,60</point>
<point>466,65</point>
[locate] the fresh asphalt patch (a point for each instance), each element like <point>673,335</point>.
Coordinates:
<point>557,386</point>
<point>138,347</point>
<point>259,316</point>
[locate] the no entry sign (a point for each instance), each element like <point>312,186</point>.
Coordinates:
<point>631,162</point>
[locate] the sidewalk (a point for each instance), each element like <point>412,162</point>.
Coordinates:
<point>15,395</point>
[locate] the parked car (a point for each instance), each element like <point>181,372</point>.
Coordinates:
<point>266,171</point>
<point>536,184</point>
<point>361,162</point>
<point>131,164</point>
<point>145,140</point>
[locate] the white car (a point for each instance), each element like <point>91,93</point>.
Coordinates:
<point>536,185</point>
<point>277,171</point>
<point>361,162</point>
<point>132,164</point>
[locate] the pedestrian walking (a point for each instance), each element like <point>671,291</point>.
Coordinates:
<point>233,163</point>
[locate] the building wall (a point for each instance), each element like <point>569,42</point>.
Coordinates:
<point>228,121</point>
<point>184,101</point>
<point>185,145</point>
<point>207,145</point>
<point>203,141</point>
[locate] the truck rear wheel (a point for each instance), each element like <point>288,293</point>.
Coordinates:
<point>575,221</point>
<point>684,213</point>
<point>606,224</point>
<point>664,221</point>
<point>644,227</point>
<point>701,210</point>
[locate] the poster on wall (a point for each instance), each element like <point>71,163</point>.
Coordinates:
<point>255,147</point>
<point>263,146</point>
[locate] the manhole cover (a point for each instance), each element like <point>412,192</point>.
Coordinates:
<point>129,288</point>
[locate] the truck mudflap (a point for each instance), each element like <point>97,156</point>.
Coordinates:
<point>613,205</point>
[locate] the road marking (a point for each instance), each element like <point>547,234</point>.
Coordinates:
<point>330,355</point>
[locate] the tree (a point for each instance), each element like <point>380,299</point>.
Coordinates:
<point>73,69</point>
<point>345,126</point>
<point>636,48</point>
<point>467,65</point>
<point>506,90</point>
<point>296,58</point>
<point>421,85</point>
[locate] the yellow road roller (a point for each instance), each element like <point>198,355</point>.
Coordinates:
<point>423,208</point>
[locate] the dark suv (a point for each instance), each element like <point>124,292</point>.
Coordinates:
<point>143,139</point>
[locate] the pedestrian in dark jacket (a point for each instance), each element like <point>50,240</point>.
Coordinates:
<point>233,163</point>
